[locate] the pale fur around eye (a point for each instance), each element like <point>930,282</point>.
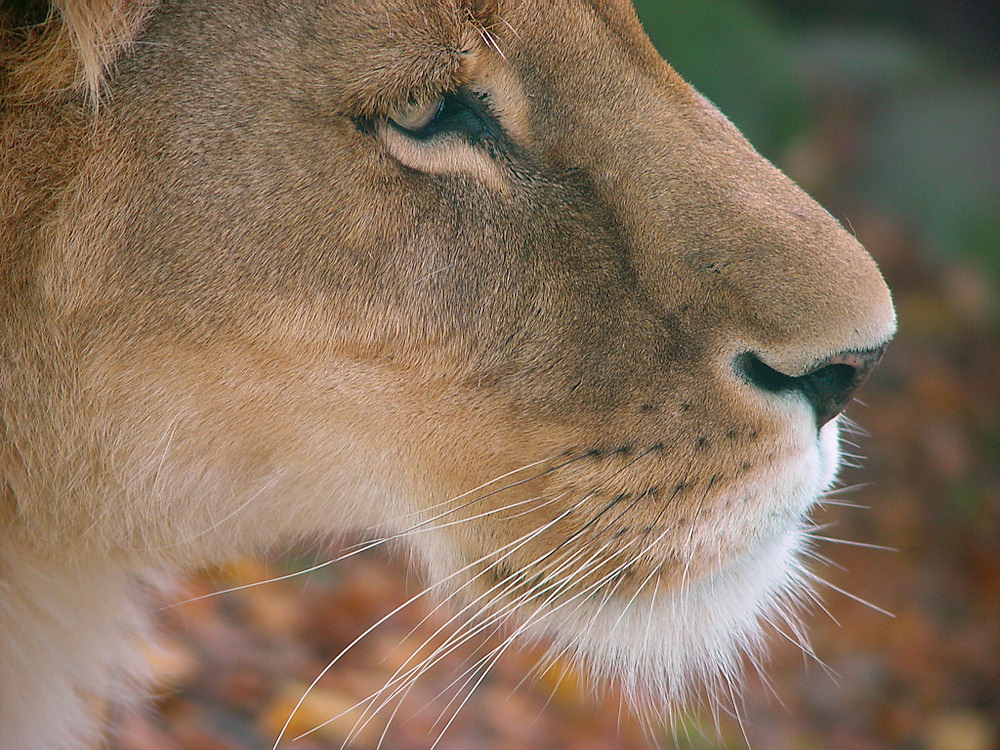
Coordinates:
<point>416,116</point>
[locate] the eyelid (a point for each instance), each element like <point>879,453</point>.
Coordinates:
<point>416,116</point>
<point>443,156</point>
<point>466,124</point>
<point>463,114</point>
<point>463,137</point>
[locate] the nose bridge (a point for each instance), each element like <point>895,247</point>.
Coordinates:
<point>772,267</point>
<point>717,231</point>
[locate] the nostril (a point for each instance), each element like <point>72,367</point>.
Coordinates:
<point>828,387</point>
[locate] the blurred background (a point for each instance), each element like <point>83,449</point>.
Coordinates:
<point>888,112</point>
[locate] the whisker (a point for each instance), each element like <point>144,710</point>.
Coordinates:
<point>523,540</point>
<point>454,641</point>
<point>850,543</point>
<point>820,558</point>
<point>849,595</point>
<point>516,544</point>
<point>486,484</point>
<point>464,633</point>
<point>467,697</point>
<point>357,550</point>
<point>216,524</point>
<point>847,488</point>
<point>843,504</point>
<point>252,584</point>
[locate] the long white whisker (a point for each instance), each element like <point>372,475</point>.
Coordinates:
<point>521,540</point>
<point>356,550</point>
<point>812,576</point>
<point>216,524</point>
<point>405,681</point>
<point>850,543</point>
<point>553,585</point>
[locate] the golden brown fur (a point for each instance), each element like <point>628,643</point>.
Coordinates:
<point>568,345</point>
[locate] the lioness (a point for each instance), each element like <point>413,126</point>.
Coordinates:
<point>483,274</point>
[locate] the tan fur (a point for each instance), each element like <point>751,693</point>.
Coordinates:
<point>239,306</point>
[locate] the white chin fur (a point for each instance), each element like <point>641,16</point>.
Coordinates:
<point>829,453</point>
<point>664,648</point>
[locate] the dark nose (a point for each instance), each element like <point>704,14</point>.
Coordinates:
<point>828,387</point>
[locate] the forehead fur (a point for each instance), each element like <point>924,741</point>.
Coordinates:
<point>388,52</point>
<point>48,47</point>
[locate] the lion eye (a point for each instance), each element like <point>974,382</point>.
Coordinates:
<point>416,116</point>
<point>454,114</point>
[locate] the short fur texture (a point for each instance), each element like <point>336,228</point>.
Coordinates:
<point>240,306</point>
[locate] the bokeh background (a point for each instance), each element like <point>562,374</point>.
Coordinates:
<point>887,111</point>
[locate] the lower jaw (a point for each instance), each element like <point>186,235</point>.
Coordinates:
<point>690,636</point>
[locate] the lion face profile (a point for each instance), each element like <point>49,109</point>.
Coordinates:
<point>483,275</point>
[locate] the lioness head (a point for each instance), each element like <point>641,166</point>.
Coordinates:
<point>481,274</point>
